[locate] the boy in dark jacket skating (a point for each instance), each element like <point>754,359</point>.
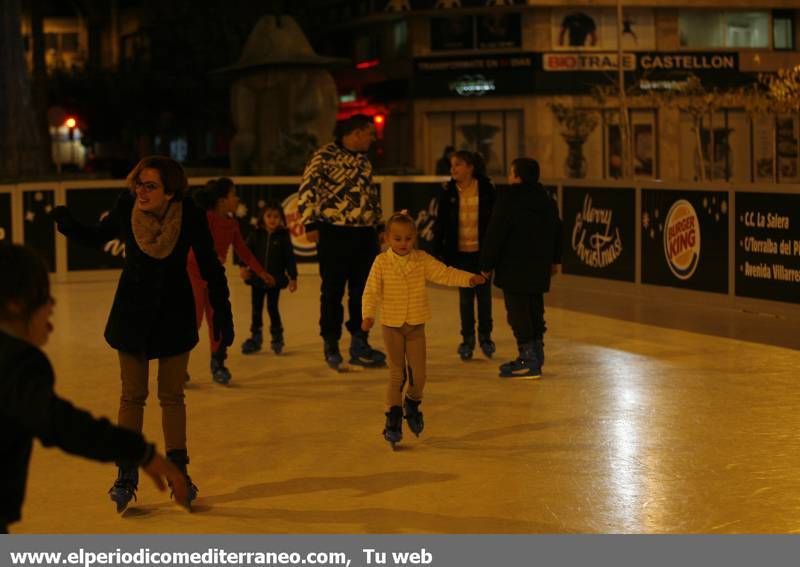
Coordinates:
<point>30,408</point>
<point>271,243</point>
<point>523,248</point>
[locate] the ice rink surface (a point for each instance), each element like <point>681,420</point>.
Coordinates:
<point>633,428</point>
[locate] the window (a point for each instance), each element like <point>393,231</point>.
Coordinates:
<point>497,135</point>
<point>706,29</point>
<point>782,30</point>
<point>364,48</point>
<point>69,42</point>
<point>487,31</point>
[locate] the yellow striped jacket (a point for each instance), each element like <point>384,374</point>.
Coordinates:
<point>400,289</point>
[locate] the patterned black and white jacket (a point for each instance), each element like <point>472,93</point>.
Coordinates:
<point>337,189</point>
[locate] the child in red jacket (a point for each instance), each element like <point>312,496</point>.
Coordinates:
<point>220,200</point>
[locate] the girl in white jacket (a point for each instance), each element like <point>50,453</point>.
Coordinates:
<point>397,281</point>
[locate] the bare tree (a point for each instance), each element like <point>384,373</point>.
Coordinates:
<point>21,153</point>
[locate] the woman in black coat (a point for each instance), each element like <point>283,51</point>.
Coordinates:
<point>153,314</point>
<point>458,233</point>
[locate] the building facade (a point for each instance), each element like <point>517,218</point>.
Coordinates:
<point>496,77</point>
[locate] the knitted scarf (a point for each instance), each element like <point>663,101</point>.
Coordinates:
<point>157,237</point>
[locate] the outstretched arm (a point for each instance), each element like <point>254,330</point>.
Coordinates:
<point>95,235</point>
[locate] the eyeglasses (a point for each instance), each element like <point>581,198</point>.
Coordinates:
<point>149,186</point>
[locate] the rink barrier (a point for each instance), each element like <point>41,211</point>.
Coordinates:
<point>687,242</point>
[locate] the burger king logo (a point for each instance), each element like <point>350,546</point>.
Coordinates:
<point>301,244</point>
<point>682,239</point>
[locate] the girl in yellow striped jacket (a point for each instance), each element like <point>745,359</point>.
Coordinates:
<point>397,280</point>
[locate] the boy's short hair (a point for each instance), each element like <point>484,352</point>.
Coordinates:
<point>526,169</point>
<point>25,280</point>
<point>351,124</point>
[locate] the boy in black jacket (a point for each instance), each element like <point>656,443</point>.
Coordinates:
<point>271,243</point>
<point>30,408</point>
<point>523,248</point>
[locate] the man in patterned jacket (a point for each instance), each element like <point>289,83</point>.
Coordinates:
<point>342,213</point>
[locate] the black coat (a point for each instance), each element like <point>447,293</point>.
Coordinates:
<point>523,240</point>
<point>275,252</point>
<point>29,408</point>
<point>153,311</point>
<point>445,229</point>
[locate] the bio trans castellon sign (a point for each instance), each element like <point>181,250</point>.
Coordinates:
<point>682,239</point>
<point>689,61</point>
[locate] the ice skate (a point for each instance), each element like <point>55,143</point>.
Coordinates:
<point>124,489</point>
<point>332,355</point>
<point>487,345</point>
<point>526,366</point>
<point>466,348</point>
<point>219,373</point>
<point>180,459</point>
<point>253,344</point>
<point>393,431</point>
<point>362,354</point>
<point>277,343</point>
<point>413,416</point>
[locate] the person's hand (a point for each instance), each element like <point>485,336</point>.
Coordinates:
<point>268,279</point>
<point>244,272</point>
<point>555,269</point>
<point>366,324</point>
<point>292,286</point>
<point>312,236</point>
<point>223,328</point>
<point>163,472</point>
<point>477,279</point>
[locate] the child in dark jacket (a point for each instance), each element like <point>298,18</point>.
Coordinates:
<point>271,243</point>
<point>30,408</point>
<point>523,248</point>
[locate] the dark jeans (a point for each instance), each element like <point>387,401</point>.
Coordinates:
<point>272,294</point>
<point>470,262</point>
<point>345,258</point>
<point>526,316</point>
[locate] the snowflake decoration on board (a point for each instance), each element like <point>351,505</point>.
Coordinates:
<point>38,196</point>
<point>652,233</point>
<point>656,213</point>
<point>48,209</point>
<point>253,221</point>
<point>705,202</point>
<point>30,216</point>
<point>646,220</point>
<point>241,211</point>
<point>724,207</point>
<point>261,203</point>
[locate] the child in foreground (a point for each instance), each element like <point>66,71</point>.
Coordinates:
<point>397,281</point>
<point>30,408</point>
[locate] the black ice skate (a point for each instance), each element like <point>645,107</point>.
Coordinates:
<point>526,366</point>
<point>277,343</point>
<point>393,431</point>
<point>253,344</point>
<point>124,489</point>
<point>180,459</point>
<point>219,373</point>
<point>413,416</point>
<point>487,345</point>
<point>362,354</point>
<point>466,348</point>
<point>332,355</point>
